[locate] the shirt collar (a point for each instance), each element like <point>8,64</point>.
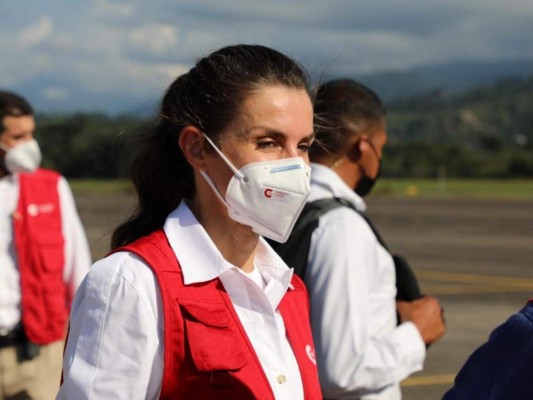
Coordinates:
<point>326,183</point>
<point>201,261</point>
<point>275,272</point>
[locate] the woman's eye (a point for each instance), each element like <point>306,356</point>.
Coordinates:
<point>304,147</point>
<point>266,144</point>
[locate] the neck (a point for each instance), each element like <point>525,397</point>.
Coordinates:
<point>344,168</point>
<point>236,242</point>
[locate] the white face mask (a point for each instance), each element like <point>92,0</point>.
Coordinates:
<point>23,157</point>
<point>267,196</point>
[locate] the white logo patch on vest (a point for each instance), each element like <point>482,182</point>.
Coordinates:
<point>310,353</point>
<point>36,209</point>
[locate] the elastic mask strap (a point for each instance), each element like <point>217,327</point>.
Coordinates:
<point>235,171</point>
<point>374,150</point>
<point>4,147</point>
<point>210,183</point>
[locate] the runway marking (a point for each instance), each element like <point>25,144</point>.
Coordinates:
<point>475,278</point>
<point>472,289</point>
<point>438,283</point>
<point>473,283</point>
<point>445,379</point>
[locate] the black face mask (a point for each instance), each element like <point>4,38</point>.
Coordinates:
<point>365,184</point>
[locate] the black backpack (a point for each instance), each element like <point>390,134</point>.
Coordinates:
<point>295,250</point>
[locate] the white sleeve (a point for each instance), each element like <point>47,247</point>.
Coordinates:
<point>115,344</point>
<point>342,280</point>
<point>77,253</point>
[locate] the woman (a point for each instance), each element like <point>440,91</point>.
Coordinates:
<point>193,304</point>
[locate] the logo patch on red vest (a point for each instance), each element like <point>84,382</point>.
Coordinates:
<point>36,209</point>
<point>310,353</point>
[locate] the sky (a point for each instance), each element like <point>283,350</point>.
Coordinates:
<point>116,54</point>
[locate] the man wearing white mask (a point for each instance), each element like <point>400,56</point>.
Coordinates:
<point>44,256</point>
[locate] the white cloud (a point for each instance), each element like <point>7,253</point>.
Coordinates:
<point>116,8</point>
<point>113,76</point>
<point>56,93</point>
<point>155,40</point>
<point>37,33</point>
<point>502,8</point>
<point>136,48</point>
<point>22,67</point>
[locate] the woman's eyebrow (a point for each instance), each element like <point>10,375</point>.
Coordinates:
<point>311,136</point>
<point>277,133</point>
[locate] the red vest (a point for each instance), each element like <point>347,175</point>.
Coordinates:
<point>207,352</point>
<point>39,245</point>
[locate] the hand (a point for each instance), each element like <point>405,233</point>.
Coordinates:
<point>427,315</point>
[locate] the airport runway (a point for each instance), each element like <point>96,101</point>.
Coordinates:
<point>475,255</point>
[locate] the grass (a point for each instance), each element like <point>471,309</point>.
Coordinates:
<point>425,188</point>
<point>100,186</point>
<point>450,188</point>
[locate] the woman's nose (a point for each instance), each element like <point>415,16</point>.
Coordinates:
<point>292,151</point>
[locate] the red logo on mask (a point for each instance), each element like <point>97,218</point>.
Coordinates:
<point>268,193</point>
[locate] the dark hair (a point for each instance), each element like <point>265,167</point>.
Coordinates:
<point>343,108</point>
<point>208,97</point>
<point>12,105</point>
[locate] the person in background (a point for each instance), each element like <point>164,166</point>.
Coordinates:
<point>193,303</point>
<point>502,367</point>
<point>367,339</point>
<point>44,256</point>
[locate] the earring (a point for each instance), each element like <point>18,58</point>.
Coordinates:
<point>337,163</point>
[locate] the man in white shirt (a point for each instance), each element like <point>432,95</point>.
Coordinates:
<point>363,351</point>
<point>44,256</point>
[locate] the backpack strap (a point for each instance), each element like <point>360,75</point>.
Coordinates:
<point>295,251</point>
<point>346,203</point>
<point>407,288</point>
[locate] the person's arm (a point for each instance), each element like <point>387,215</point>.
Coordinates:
<point>115,344</point>
<point>77,253</point>
<point>353,357</point>
<point>502,368</point>
<point>427,315</point>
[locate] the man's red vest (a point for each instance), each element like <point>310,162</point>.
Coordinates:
<point>39,245</point>
<point>207,352</point>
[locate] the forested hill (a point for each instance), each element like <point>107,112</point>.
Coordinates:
<point>502,112</point>
<point>452,78</point>
<point>486,132</point>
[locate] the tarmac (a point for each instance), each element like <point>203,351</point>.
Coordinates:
<point>475,256</point>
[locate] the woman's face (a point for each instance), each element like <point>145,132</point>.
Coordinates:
<point>275,122</point>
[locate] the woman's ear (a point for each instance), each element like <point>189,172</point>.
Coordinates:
<point>192,143</point>
<point>355,149</point>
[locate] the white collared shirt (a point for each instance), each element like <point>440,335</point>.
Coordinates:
<point>77,254</point>
<point>115,347</point>
<point>351,280</point>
